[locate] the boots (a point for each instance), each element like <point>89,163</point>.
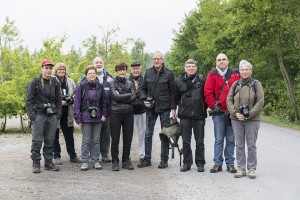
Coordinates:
<point>36,166</point>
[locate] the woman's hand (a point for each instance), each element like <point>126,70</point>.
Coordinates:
<point>103,119</point>
<point>240,117</point>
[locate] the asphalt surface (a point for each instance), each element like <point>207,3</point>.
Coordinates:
<point>277,173</point>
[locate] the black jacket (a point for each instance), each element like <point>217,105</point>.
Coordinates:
<point>161,87</point>
<point>190,97</point>
<point>122,95</point>
<point>138,105</point>
<point>40,92</point>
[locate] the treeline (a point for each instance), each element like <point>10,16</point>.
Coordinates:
<point>264,32</point>
<point>18,66</point>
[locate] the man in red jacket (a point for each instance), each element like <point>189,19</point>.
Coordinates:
<point>217,86</point>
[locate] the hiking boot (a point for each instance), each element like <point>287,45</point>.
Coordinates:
<point>51,166</point>
<point>141,160</point>
<point>240,173</point>
<point>127,165</point>
<point>97,166</point>
<point>75,160</point>
<point>106,159</point>
<point>231,169</point>
<point>58,161</point>
<point>163,164</point>
<point>200,168</point>
<point>36,166</point>
<point>216,168</point>
<point>115,166</point>
<point>144,164</point>
<point>185,168</point>
<point>84,166</point>
<point>252,173</point>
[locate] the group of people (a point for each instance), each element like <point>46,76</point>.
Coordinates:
<point>103,106</point>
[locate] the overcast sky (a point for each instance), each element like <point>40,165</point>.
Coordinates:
<point>151,20</point>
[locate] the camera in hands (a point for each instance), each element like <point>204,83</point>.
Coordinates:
<point>149,103</point>
<point>66,97</point>
<point>216,111</point>
<point>244,108</point>
<point>47,108</point>
<point>93,111</point>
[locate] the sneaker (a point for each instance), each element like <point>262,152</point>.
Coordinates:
<point>200,168</point>
<point>144,164</point>
<point>97,166</point>
<point>115,166</point>
<point>58,161</point>
<point>106,159</point>
<point>75,160</point>
<point>240,173</point>
<point>51,166</point>
<point>36,166</point>
<point>231,169</point>
<point>127,165</point>
<point>252,173</point>
<point>185,168</point>
<point>163,164</point>
<point>216,169</point>
<point>84,166</point>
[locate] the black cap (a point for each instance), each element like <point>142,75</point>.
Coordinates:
<point>135,64</point>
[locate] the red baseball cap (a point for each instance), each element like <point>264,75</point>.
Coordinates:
<point>47,62</point>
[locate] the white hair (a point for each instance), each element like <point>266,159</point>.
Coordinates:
<point>245,63</point>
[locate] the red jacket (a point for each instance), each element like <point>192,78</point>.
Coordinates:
<point>213,84</point>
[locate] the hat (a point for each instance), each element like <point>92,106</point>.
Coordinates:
<point>135,64</point>
<point>47,62</point>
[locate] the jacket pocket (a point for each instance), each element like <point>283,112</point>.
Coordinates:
<point>164,102</point>
<point>163,84</point>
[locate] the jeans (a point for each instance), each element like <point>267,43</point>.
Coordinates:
<point>118,120</point>
<point>140,121</point>
<point>152,117</point>
<point>90,147</point>
<point>69,138</point>
<point>223,132</point>
<point>246,131</point>
<point>43,130</point>
<point>105,138</point>
<point>186,130</point>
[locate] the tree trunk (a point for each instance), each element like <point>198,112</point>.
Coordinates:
<point>4,124</point>
<point>287,79</point>
<point>21,121</point>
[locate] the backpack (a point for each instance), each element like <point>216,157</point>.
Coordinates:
<point>253,86</point>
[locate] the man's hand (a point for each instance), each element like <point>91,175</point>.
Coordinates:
<point>64,103</point>
<point>240,117</point>
<point>174,113</point>
<point>109,79</point>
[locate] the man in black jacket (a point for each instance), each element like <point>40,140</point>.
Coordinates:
<point>139,111</point>
<point>158,94</point>
<point>43,104</point>
<point>192,114</point>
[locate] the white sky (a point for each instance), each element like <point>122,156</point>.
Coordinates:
<point>151,20</point>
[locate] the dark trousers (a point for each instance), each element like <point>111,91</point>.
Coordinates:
<point>186,130</point>
<point>151,118</point>
<point>105,138</point>
<point>118,120</point>
<point>69,138</point>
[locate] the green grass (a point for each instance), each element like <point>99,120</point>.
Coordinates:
<point>279,122</point>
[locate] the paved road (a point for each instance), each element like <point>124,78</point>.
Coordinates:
<point>277,174</point>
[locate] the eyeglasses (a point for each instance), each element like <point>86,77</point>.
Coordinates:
<point>222,59</point>
<point>245,70</point>
<point>62,69</point>
<point>190,66</point>
<point>157,58</point>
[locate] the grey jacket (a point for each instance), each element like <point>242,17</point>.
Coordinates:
<point>71,92</point>
<point>246,95</point>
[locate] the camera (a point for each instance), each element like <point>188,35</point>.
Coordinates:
<point>47,107</point>
<point>149,103</point>
<point>244,108</point>
<point>66,97</point>
<point>93,111</point>
<point>216,111</point>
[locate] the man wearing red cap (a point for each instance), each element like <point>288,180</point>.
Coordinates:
<point>43,104</point>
